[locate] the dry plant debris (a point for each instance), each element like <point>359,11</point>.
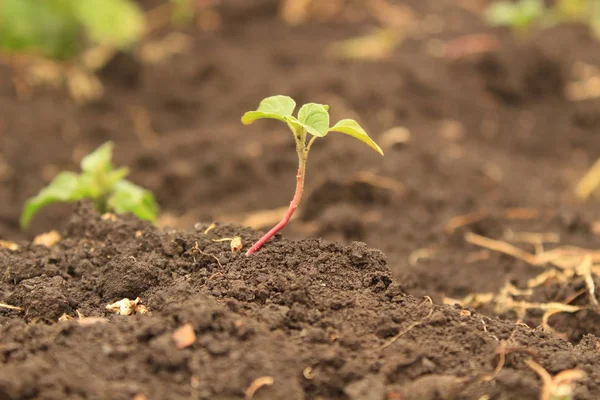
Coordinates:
<point>9,307</point>
<point>429,301</point>
<point>502,351</point>
<point>184,336</point>
<point>561,264</point>
<point>559,387</point>
<point>127,307</point>
<point>5,244</point>
<point>236,243</point>
<point>47,239</point>
<point>210,228</point>
<point>257,384</point>
<point>466,219</point>
<point>590,181</point>
<point>196,249</point>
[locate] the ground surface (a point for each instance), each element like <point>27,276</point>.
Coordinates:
<point>495,136</point>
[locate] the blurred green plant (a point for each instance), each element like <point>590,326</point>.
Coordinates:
<point>520,16</point>
<point>183,12</point>
<point>523,16</point>
<point>99,181</point>
<point>59,29</point>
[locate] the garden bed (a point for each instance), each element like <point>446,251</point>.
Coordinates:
<point>496,145</point>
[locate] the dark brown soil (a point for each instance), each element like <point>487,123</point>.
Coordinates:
<point>318,317</point>
<point>490,133</point>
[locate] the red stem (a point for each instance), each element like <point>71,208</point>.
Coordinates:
<point>293,206</point>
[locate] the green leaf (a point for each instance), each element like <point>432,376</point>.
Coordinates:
<point>64,187</point>
<point>99,160</point>
<point>501,13</point>
<point>130,198</point>
<point>315,118</point>
<point>274,107</point>
<point>118,23</point>
<point>47,27</point>
<point>352,128</point>
<point>117,175</point>
<point>519,15</point>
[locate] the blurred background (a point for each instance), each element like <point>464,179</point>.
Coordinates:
<point>488,113</point>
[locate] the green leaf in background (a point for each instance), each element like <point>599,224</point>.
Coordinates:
<point>521,15</point>
<point>501,13</point>
<point>100,182</point>
<point>119,23</point>
<point>352,128</point>
<point>99,159</point>
<point>47,27</point>
<point>65,187</point>
<point>274,107</point>
<point>314,118</point>
<point>183,12</point>
<point>594,16</point>
<point>130,198</point>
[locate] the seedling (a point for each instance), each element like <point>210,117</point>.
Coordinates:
<point>100,182</point>
<point>519,16</point>
<point>312,119</point>
<point>58,28</point>
<point>523,15</point>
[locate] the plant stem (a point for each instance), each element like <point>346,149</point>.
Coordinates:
<point>302,151</point>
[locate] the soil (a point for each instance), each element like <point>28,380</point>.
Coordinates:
<point>493,136</point>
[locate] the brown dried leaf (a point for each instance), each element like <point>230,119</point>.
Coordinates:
<point>65,317</point>
<point>125,307</point>
<point>236,244</point>
<point>210,228</point>
<point>184,336</point>
<point>47,239</point>
<point>9,245</point>
<point>257,384</point>
<point>9,307</point>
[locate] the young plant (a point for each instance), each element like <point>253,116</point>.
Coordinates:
<point>312,119</point>
<point>519,16</point>
<point>100,182</point>
<point>58,29</point>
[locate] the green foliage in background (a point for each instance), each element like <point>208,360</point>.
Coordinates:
<point>99,181</point>
<point>59,28</point>
<point>519,16</point>
<point>524,15</point>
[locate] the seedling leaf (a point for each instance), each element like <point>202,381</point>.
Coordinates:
<point>100,182</point>
<point>99,159</point>
<point>128,197</point>
<point>352,128</point>
<point>274,107</point>
<point>314,118</point>
<point>63,188</point>
<point>45,27</point>
<point>116,22</point>
<point>520,16</point>
<point>501,13</point>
